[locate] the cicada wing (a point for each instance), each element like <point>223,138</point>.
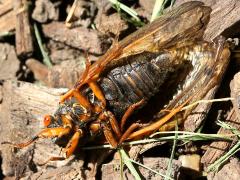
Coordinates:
<point>204,83</point>
<point>185,22</point>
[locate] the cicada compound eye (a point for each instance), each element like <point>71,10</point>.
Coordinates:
<point>47,120</point>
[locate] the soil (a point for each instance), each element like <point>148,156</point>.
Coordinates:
<point>72,31</point>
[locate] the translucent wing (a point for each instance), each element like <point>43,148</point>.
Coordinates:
<point>188,21</point>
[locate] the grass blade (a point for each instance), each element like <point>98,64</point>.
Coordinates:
<point>169,169</point>
<point>126,9</point>
<point>46,59</point>
<point>129,164</point>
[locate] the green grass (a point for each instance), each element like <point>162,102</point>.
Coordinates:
<point>132,13</point>
<point>169,169</point>
<point>218,163</point>
<point>177,136</point>
<point>159,7</point>
<point>129,163</point>
<point>182,135</point>
<point>126,160</point>
<point>46,59</point>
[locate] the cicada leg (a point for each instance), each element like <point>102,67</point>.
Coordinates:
<point>109,135</point>
<point>114,124</point>
<point>110,127</point>
<point>159,123</point>
<point>99,95</point>
<point>128,132</point>
<point>46,133</point>
<point>69,149</point>
<point>129,112</point>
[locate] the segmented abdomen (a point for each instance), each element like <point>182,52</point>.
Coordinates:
<point>140,78</point>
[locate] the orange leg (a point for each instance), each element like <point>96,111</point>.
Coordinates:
<point>46,133</point>
<point>156,126</point>
<point>129,111</point>
<point>100,96</point>
<point>72,144</point>
<point>105,118</point>
<point>109,117</point>
<point>128,132</point>
<point>69,149</point>
<point>109,135</point>
<point>66,95</point>
<point>114,124</point>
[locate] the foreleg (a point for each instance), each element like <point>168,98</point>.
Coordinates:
<point>46,133</point>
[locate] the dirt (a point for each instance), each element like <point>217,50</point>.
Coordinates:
<point>70,33</point>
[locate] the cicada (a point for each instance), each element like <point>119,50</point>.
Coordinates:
<point>169,50</point>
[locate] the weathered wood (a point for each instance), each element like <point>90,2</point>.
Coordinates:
<point>45,10</point>
<point>9,62</point>
<point>217,149</point>
<point>24,39</point>
<point>230,171</point>
<point>22,109</point>
<point>6,16</point>
<point>92,42</point>
<point>66,74</point>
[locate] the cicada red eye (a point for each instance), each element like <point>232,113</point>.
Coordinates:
<point>47,120</point>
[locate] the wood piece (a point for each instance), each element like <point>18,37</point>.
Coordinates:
<point>9,62</point>
<point>65,74</point>
<point>111,24</point>
<point>44,11</point>
<point>235,93</point>
<point>24,39</point>
<point>217,149</point>
<point>230,171</point>
<point>6,16</point>
<point>22,109</point>
<point>81,14</point>
<point>5,7</point>
<point>80,37</point>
